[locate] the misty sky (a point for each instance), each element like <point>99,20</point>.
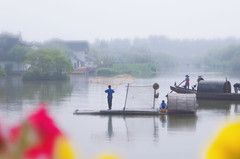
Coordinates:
<point>40,20</point>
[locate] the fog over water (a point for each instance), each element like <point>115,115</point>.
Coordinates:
<point>108,19</point>
<point>177,35</point>
<point>129,136</point>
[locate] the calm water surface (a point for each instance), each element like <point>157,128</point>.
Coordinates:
<point>139,137</point>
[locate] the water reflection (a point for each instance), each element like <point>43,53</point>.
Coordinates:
<point>15,89</point>
<point>236,107</point>
<point>14,92</point>
<point>142,125</point>
<point>182,122</point>
<point>110,131</point>
<point>47,90</point>
<point>219,106</point>
<point>163,120</point>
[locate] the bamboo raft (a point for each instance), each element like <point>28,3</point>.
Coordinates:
<point>178,104</point>
<point>129,112</point>
<point>119,112</point>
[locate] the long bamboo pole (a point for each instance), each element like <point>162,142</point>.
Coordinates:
<point>154,92</point>
<point>126,98</point>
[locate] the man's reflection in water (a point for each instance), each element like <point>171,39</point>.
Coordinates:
<point>163,119</point>
<point>110,132</point>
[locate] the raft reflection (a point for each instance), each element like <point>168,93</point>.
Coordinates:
<point>152,125</point>
<point>185,122</point>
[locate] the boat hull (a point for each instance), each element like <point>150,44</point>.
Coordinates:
<point>218,96</point>
<point>182,90</point>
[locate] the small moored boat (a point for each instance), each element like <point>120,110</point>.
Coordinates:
<point>210,90</point>
<point>182,90</point>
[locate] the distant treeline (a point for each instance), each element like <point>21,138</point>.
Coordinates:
<point>225,59</point>
<point>121,57</point>
<point>141,55</point>
<point>162,44</point>
<point>160,51</point>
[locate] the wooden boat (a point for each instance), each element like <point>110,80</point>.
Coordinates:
<point>207,96</point>
<point>182,90</point>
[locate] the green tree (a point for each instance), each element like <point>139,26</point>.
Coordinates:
<point>2,72</point>
<point>63,64</point>
<point>47,64</point>
<point>18,52</point>
<point>31,59</point>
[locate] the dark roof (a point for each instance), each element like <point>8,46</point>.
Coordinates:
<point>77,45</point>
<point>7,41</point>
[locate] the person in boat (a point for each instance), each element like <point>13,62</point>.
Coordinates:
<point>236,87</point>
<point>163,106</point>
<point>187,82</point>
<point>200,78</point>
<point>109,91</point>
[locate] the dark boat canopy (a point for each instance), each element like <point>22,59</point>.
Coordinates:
<point>214,87</point>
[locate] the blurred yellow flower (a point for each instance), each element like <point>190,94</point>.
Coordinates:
<point>107,155</point>
<point>227,143</point>
<point>63,149</point>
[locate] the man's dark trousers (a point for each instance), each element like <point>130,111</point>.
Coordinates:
<point>109,103</point>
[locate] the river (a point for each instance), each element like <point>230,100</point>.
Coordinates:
<point>182,136</point>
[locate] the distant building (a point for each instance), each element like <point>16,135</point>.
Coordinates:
<point>14,67</point>
<point>7,41</point>
<point>82,61</point>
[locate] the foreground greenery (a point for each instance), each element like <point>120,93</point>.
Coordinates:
<point>47,64</point>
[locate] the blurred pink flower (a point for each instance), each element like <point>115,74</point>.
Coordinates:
<point>37,137</point>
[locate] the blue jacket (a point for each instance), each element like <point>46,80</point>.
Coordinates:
<point>163,105</point>
<point>109,92</point>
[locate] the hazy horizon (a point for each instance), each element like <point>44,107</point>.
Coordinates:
<point>111,19</point>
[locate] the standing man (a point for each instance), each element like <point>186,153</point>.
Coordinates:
<point>187,82</point>
<point>109,91</point>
